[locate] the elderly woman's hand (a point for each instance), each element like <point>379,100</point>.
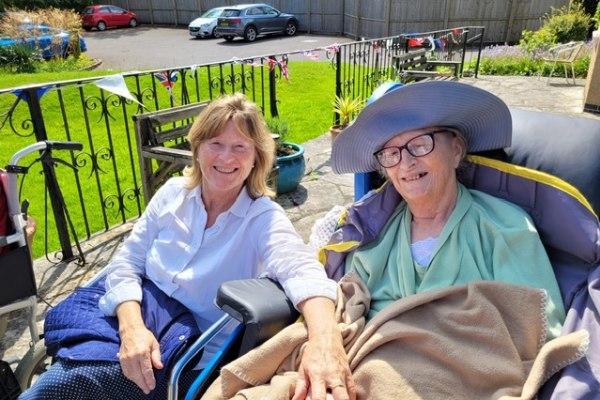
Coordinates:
<point>324,372</point>
<point>140,352</point>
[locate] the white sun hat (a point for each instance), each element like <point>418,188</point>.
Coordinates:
<point>482,117</point>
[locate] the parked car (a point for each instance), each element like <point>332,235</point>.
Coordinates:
<point>251,20</point>
<point>206,24</point>
<point>105,16</point>
<point>51,42</point>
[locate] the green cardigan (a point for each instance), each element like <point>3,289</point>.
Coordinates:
<point>485,238</point>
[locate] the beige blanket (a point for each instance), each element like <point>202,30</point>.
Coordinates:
<point>484,340</point>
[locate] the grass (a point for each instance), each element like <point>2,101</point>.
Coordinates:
<point>305,103</point>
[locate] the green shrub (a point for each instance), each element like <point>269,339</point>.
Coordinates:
<point>596,17</point>
<point>562,25</point>
<point>19,58</point>
<point>515,60</point>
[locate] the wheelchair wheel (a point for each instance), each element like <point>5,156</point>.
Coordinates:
<point>35,363</point>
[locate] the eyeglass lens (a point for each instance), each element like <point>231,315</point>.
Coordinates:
<point>418,146</point>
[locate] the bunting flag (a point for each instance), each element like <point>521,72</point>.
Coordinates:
<point>40,92</point>
<point>116,84</point>
<point>284,69</point>
<point>311,55</point>
<point>334,48</point>
<point>431,40</point>
<point>251,63</point>
<point>168,81</point>
<point>272,63</point>
<point>415,42</point>
<point>376,46</point>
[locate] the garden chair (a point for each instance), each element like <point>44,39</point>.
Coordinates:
<point>562,54</point>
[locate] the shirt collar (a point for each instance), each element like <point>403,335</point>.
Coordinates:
<point>239,208</point>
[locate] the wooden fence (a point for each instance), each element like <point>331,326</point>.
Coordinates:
<point>504,19</point>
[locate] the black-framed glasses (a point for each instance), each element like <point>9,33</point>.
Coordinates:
<point>418,146</point>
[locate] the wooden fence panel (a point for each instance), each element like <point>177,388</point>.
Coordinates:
<point>504,19</point>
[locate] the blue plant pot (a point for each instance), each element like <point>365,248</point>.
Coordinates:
<point>291,169</point>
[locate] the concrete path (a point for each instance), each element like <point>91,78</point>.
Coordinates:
<point>319,191</point>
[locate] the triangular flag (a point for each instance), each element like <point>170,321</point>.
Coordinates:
<point>116,84</point>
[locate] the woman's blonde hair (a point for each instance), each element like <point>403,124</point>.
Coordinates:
<point>249,121</point>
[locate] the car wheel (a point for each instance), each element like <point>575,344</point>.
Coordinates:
<point>229,38</point>
<point>101,26</point>
<point>132,23</point>
<point>215,34</point>
<point>250,34</point>
<point>291,28</point>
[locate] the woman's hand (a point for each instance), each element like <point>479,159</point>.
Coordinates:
<point>140,352</point>
<point>324,372</point>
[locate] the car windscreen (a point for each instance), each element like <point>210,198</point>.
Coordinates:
<point>215,12</point>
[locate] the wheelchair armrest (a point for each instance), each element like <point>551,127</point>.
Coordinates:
<point>260,304</point>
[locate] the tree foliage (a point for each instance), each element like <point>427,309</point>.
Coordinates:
<point>77,5</point>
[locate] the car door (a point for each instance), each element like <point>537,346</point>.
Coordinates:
<point>256,17</point>
<point>118,16</point>
<point>271,19</point>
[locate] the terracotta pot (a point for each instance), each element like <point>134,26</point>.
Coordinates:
<point>335,131</point>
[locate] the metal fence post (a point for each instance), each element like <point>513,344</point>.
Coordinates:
<point>39,129</point>
<point>273,87</point>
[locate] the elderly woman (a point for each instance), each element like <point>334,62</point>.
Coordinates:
<point>215,224</point>
<point>440,234</point>
<point>438,284</point>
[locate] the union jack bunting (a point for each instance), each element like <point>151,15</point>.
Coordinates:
<point>311,55</point>
<point>166,79</point>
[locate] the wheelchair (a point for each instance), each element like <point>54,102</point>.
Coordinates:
<point>18,289</point>
<point>551,171</point>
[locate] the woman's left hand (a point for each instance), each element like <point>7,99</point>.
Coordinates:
<point>324,372</point>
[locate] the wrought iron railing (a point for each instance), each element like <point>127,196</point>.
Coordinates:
<point>106,190</point>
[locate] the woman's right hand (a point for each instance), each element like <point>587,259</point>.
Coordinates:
<point>140,352</point>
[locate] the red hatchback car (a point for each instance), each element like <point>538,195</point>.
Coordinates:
<point>104,16</point>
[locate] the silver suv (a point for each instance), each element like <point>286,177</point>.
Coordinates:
<point>251,20</point>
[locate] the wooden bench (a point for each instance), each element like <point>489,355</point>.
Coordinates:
<point>163,149</point>
<point>162,146</point>
<point>415,66</point>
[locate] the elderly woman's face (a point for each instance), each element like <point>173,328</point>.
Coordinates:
<point>427,177</point>
<point>226,161</point>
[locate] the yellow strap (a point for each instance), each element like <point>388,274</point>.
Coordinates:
<point>534,175</point>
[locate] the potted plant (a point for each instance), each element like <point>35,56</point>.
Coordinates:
<point>289,157</point>
<point>345,107</point>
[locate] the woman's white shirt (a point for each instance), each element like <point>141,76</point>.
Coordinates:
<point>171,245</point>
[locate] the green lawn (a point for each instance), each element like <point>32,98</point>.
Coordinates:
<point>305,103</point>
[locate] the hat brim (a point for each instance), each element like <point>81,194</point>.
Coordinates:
<point>482,117</point>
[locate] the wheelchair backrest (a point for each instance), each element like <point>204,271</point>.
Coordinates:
<point>551,170</point>
<point>5,223</point>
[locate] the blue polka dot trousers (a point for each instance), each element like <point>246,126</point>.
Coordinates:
<point>95,380</point>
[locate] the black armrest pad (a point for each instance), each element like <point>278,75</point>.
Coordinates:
<point>261,304</point>
<point>254,301</point>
